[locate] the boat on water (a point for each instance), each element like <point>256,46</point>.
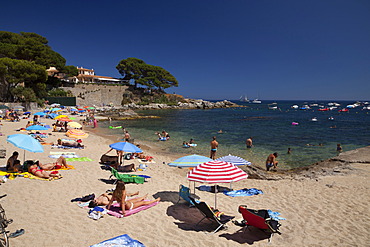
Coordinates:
<point>256,101</point>
<point>243,98</point>
<point>273,106</point>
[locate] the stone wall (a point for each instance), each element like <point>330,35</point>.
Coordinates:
<point>99,95</point>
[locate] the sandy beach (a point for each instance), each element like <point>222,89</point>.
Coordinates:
<point>325,211</point>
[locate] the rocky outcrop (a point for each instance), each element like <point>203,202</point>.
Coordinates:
<point>190,104</point>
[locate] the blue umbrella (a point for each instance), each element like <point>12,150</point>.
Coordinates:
<point>40,113</point>
<point>234,160</point>
<point>27,112</point>
<point>190,161</point>
<point>25,142</point>
<point>126,147</point>
<point>52,115</point>
<point>36,127</point>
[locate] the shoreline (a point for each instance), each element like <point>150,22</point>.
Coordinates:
<point>44,209</point>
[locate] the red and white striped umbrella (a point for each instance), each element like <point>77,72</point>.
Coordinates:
<point>216,172</point>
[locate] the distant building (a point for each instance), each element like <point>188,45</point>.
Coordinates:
<point>84,76</point>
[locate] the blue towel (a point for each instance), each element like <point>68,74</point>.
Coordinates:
<point>243,192</point>
<point>123,240</point>
<point>275,215</point>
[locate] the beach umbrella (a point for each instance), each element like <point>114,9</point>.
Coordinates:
<point>216,172</point>
<point>25,142</point>
<point>74,109</point>
<point>78,134</point>
<point>61,116</point>
<point>190,161</point>
<point>91,108</point>
<point>4,107</point>
<point>55,109</point>
<point>236,160</point>
<point>72,118</point>
<point>40,113</point>
<point>74,125</point>
<point>36,127</point>
<point>27,112</point>
<point>52,115</point>
<point>64,119</point>
<point>55,105</point>
<point>126,147</point>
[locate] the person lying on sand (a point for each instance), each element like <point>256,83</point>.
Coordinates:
<point>120,195</point>
<point>60,163</point>
<point>70,143</point>
<point>38,172</point>
<point>103,199</point>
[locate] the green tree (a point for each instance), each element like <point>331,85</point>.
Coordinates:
<point>145,74</point>
<point>13,72</point>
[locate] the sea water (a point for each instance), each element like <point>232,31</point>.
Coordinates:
<point>271,130</point>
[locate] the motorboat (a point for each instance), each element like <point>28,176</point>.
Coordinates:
<point>323,109</point>
<point>273,106</point>
<point>344,110</point>
<point>294,107</point>
<point>331,118</point>
<point>314,119</point>
<point>256,101</point>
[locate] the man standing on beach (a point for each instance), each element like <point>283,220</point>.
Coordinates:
<point>249,142</point>
<point>214,146</point>
<point>271,161</point>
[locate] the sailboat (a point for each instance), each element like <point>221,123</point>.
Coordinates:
<point>243,98</point>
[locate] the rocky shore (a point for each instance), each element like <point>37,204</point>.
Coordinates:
<point>339,165</point>
<point>127,111</point>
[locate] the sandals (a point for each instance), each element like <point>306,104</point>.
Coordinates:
<point>16,233</point>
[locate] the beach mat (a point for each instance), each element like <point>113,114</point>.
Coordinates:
<point>123,240</point>
<point>115,209</point>
<point>79,159</point>
<point>13,175</point>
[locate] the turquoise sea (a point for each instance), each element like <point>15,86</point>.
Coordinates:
<point>272,131</point>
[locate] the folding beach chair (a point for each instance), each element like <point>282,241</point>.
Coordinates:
<point>259,219</point>
<point>184,193</point>
<point>211,214</point>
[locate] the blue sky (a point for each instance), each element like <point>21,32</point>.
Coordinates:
<point>286,49</point>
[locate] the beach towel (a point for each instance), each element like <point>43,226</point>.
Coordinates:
<point>13,175</point>
<point>56,156</point>
<point>65,147</point>
<point>123,240</point>
<point>243,192</point>
<point>275,215</point>
<point>79,159</point>
<point>115,209</point>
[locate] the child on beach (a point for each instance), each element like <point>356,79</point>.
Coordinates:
<point>120,195</point>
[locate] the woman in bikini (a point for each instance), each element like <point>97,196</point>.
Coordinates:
<point>120,195</point>
<point>38,172</point>
<point>61,163</point>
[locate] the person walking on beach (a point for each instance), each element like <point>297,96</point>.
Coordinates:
<point>249,142</point>
<point>271,161</point>
<point>214,146</point>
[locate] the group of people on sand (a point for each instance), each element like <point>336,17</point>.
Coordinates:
<point>122,197</point>
<point>35,167</point>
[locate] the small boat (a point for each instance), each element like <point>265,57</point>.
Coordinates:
<point>295,123</point>
<point>314,119</point>
<point>323,109</point>
<point>243,98</point>
<point>294,107</point>
<point>344,110</point>
<point>331,118</point>
<point>256,101</point>
<point>273,106</point>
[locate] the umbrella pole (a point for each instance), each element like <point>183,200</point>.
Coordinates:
<point>215,196</point>
<point>24,156</point>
